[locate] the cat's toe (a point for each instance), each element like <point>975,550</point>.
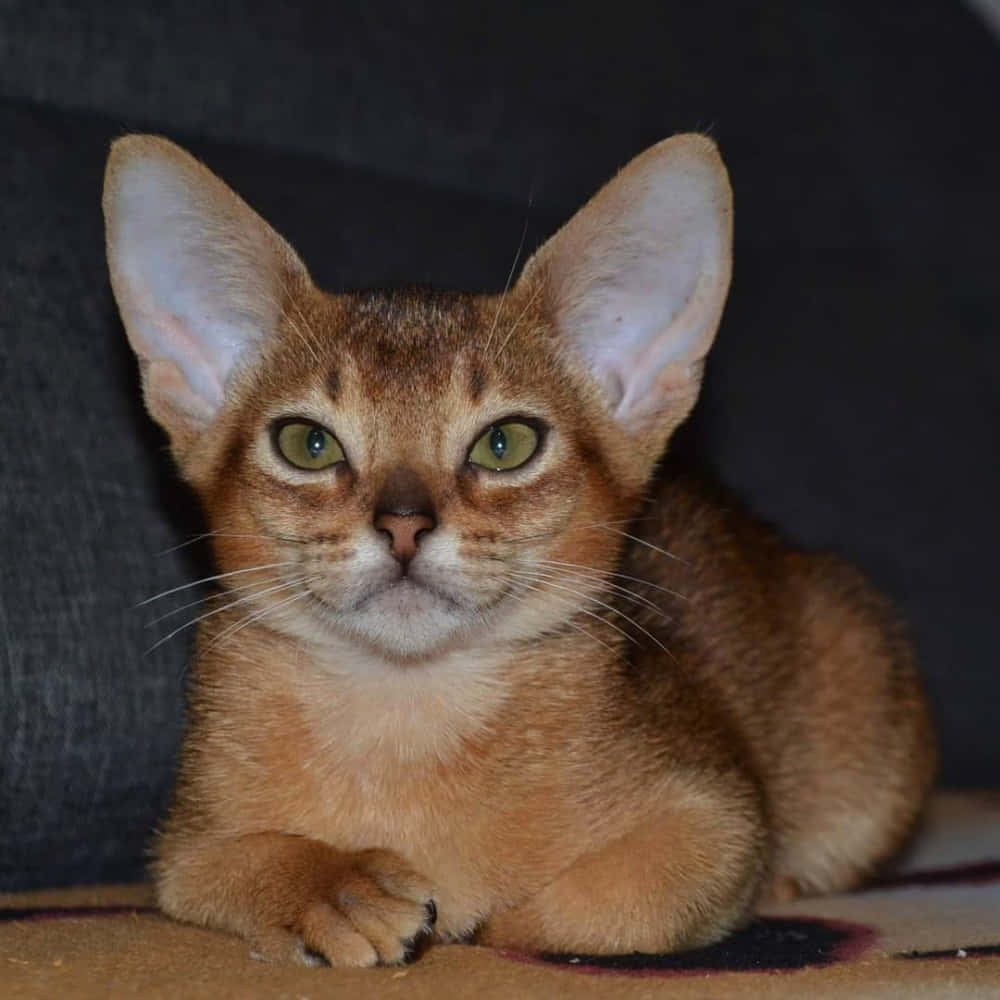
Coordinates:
<point>327,932</point>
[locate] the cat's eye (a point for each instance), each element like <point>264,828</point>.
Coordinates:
<point>505,446</point>
<point>307,445</point>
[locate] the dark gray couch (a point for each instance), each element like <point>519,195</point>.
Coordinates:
<point>852,397</point>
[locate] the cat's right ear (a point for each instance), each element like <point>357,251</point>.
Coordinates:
<point>199,278</point>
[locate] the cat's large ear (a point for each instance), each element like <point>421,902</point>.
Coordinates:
<point>199,277</point>
<point>637,280</point>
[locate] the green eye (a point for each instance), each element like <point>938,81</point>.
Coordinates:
<point>504,446</point>
<point>308,446</point>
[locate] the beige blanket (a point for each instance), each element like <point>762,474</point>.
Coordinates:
<point>930,929</point>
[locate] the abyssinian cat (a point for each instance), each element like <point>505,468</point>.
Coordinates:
<point>482,667</point>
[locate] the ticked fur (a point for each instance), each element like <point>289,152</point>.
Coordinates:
<point>599,709</point>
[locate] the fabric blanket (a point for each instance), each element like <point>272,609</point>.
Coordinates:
<point>928,928</point>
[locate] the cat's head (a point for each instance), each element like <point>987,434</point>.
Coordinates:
<point>414,470</point>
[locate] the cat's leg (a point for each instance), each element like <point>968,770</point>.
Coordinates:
<point>681,879</point>
<point>293,898</point>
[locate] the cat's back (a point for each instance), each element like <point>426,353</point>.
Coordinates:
<point>760,611</point>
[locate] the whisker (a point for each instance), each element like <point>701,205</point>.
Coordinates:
<point>527,306</point>
<point>584,527</point>
<point>218,611</point>
<point>613,610</point>
<point>642,541</point>
<point>624,592</point>
<point>569,621</point>
<point>576,608</point>
<point>532,538</point>
<point>510,278</point>
<point>307,341</point>
<point>232,630</point>
<point>209,579</point>
<point>218,595</point>
<point>229,534</point>
<point>620,576</point>
<point>183,545</point>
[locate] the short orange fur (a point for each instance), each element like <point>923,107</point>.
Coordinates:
<point>552,774</point>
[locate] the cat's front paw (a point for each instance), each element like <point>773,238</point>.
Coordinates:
<point>357,909</point>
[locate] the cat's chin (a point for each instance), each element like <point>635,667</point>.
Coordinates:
<point>407,620</point>
<point>405,598</point>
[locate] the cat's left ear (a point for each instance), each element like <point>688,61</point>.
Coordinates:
<point>637,279</point>
<point>200,279</point>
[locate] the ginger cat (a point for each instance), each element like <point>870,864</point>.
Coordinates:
<point>476,670</point>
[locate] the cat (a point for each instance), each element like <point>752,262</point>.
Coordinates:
<point>479,670</point>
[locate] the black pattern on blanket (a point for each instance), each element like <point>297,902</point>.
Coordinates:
<point>941,900</point>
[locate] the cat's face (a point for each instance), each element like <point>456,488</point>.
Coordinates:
<point>413,481</point>
<point>415,471</point>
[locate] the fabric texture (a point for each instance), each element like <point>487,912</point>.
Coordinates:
<point>932,929</point>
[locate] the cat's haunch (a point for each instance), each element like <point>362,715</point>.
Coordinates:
<point>481,662</point>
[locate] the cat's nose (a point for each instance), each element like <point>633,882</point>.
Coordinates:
<point>404,531</point>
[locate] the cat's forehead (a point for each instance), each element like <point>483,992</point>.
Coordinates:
<point>407,337</point>
<point>390,347</point>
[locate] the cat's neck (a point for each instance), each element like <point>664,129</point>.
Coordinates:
<point>361,708</point>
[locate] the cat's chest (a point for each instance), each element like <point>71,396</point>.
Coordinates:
<point>461,786</point>
<point>423,772</point>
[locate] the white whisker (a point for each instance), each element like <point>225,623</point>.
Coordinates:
<point>219,595</point>
<point>610,607</point>
<point>225,607</point>
<point>642,541</point>
<point>569,621</point>
<point>209,579</point>
<point>228,534</point>
<point>530,538</point>
<point>601,524</point>
<point>572,576</point>
<point>620,576</point>
<point>233,629</point>
<point>307,341</point>
<point>510,278</point>
<point>576,608</point>
<point>527,306</point>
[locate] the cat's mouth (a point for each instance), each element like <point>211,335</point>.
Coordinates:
<point>403,596</point>
<point>404,617</point>
<point>406,596</point>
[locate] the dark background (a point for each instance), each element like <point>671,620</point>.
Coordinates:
<point>851,398</point>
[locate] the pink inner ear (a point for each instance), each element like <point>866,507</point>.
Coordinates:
<point>187,282</point>
<point>668,358</point>
<point>170,398</point>
<point>639,276</point>
<point>197,373</point>
<point>196,272</point>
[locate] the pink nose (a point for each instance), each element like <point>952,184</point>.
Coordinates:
<point>404,530</point>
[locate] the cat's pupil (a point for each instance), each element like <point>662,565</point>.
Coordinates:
<point>315,442</point>
<point>498,442</point>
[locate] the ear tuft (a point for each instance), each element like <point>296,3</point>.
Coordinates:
<point>199,277</point>
<point>637,279</point>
